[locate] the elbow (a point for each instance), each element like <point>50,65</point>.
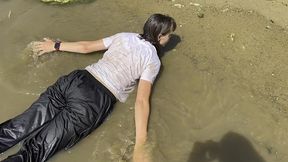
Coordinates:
<point>141,102</point>
<point>138,103</point>
<point>85,48</point>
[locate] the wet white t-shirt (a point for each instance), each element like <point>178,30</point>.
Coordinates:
<point>127,59</point>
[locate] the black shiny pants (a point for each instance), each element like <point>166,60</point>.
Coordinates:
<point>66,112</point>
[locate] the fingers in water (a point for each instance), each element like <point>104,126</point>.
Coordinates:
<point>36,49</point>
<point>40,48</point>
<point>37,43</point>
<point>41,52</point>
<point>47,39</point>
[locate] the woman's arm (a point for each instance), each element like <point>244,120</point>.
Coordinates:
<point>47,45</point>
<point>142,109</point>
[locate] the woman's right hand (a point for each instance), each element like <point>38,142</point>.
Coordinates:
<point>41,47</point>
<point>141,154</point>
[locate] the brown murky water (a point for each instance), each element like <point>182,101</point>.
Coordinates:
<point>222,88</point>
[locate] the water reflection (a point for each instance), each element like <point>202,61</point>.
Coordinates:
<point>233,147</point>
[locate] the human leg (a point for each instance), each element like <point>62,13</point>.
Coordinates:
<point>50,103</point>
<point>88,104</point>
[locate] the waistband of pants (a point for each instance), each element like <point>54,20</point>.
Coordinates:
<point>103,87</point>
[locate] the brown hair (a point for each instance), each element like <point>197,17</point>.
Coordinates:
<point>157,24</point>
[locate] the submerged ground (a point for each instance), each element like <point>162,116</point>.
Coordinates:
<point>222,93</point>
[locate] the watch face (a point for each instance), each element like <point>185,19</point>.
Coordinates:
<point>57,45</point>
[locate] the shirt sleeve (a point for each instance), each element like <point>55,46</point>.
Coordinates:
<point>151,71</point>
<point>108,40</point>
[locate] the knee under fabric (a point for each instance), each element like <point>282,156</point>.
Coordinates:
<point>66,112</point>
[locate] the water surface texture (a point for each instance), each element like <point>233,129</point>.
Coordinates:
<point>222,93</point>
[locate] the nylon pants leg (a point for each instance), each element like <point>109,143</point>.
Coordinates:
<point>88,104</point>
<point>49,104</point>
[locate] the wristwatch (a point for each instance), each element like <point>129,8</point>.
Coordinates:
<point>57,45</point>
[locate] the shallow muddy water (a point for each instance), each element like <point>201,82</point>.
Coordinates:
<point>223,87</point>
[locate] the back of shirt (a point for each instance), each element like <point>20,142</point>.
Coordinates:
<point>127,59</point>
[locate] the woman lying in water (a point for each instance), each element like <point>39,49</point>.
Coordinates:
<point>77,103</point>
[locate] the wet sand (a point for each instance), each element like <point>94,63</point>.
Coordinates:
<point>222,88</point>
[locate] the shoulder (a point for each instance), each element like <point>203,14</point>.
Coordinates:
<point>127,38</point>
<point>156,61</point>
<point>127,34</point>
<point>151,57</point>
<point>150,52</point>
